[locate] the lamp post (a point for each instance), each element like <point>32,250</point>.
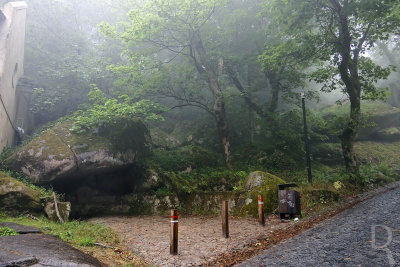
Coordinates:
<point>306,139</point>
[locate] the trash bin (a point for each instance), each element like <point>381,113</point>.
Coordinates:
<point>289,201</point>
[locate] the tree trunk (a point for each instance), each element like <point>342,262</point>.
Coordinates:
<point>348,69</point>
<point>251,125</point>
<point>223,129</point>
<point>218,108</point>
<point>348,137</point>
<point>273,104</point>
<point>245,95</point>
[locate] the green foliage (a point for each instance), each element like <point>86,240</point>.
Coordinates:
<point>7,151</point>
<point>370,175</point>
<point>376,174</point>
<point>370,74</point>
<point>285,136</point>
<point>111,112</point>
<point>163,192</point>
<point>340,33</point>
<point>44,101</point>
<point>201,180</point>
<point>286,61</point>
<point>371,152</point>
<point>192,169</point>
<point>367,23</point>
<point>336,117</point>
<point>178,159</point>
<point>6,231</point>
<point>317,195</point>
<point>241,177</point>
<point>151,18</point>
<point>191,157</point>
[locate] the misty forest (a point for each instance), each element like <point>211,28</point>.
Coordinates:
<point>137,107</point>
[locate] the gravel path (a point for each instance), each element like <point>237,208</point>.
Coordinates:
<point>345,240</point>
<point>200,238</point>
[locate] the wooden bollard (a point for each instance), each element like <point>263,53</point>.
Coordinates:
<point>225,219</point>
<point>261,218</point>
<point>174,232</point>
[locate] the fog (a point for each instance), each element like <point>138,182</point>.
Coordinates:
<point>225,63</point>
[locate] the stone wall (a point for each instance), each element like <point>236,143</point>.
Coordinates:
<point>12,43</point>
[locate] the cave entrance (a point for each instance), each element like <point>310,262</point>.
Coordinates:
<point>100,193</point>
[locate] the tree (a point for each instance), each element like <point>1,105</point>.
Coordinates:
<point>159,33</point>
<point>64,54</point>
<point>113,113</point>
<point>387,52</point>
<point>341,32</point>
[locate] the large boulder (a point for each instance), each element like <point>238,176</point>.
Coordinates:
<point>255,179</point>
<point>58,152</point>
<point>15,197</point>
<point>261,183</point>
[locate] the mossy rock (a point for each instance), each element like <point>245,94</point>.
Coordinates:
<point>59,152</point>
<point>64,209</point>
<point>15,197</point>
<point>264,184</point>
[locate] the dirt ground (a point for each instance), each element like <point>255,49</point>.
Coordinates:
<point>200,238</point>
<point>201,241</point>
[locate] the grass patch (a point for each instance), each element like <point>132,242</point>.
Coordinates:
<point>374,152</point>
<point>87,242</point>
<point>374,107</point>
<point>76,233</point>
<point>6,231</point>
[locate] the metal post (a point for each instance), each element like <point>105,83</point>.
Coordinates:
<point>174,232</point>
<point>225,219</point>
<point>306,139</point>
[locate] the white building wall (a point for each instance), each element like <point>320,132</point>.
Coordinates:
<point>12,43</point>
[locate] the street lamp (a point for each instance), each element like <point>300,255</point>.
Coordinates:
<point>306,139</point>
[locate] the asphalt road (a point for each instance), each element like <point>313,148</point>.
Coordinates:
<point>366,235</point>
<point>32,248</point>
